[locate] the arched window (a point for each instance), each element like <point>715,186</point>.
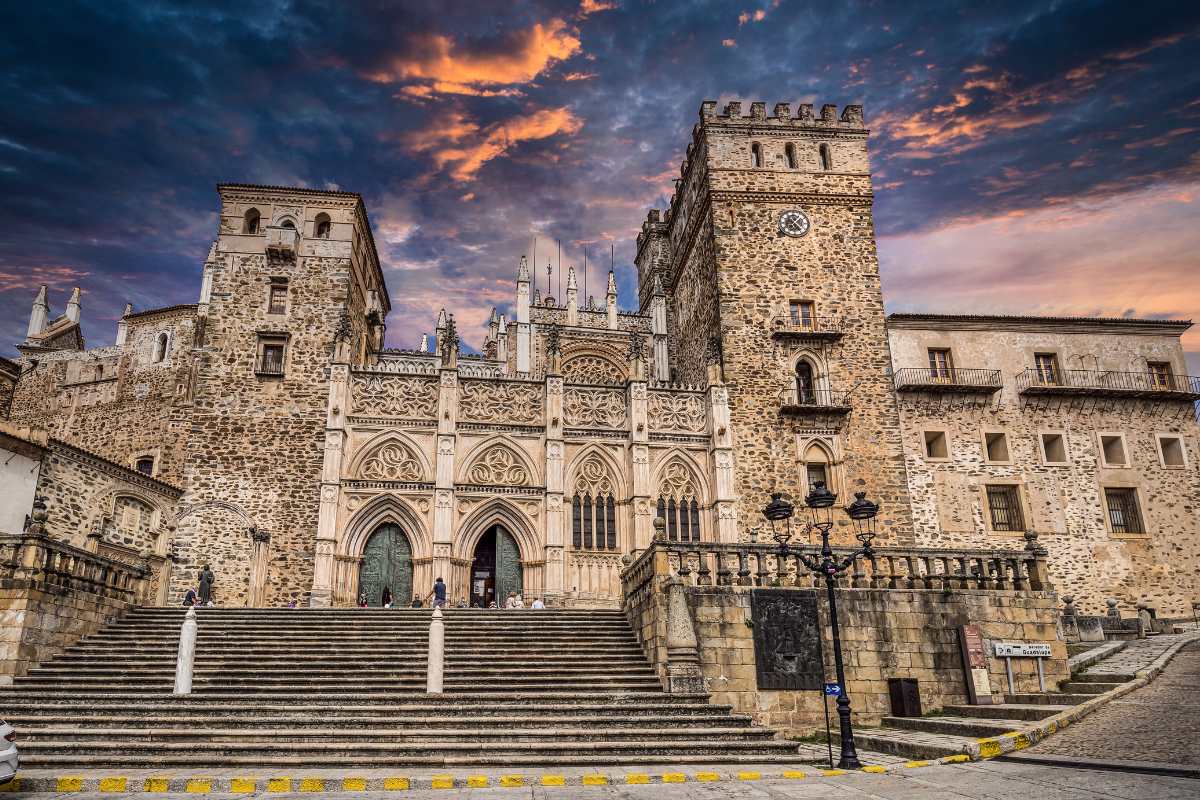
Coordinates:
<point>287,223</point>
<point>806,383</point>
<point>250,221</point>
<point>321,226</point>
<point>678,504</point>
<point>790,151</point>
<point>756,157</point>
<point>818,468</point>
<point>160,347</point>
<point>593,508</point>
<point>826,158</point>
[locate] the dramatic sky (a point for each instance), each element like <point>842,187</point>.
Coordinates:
<point>1029,157</point>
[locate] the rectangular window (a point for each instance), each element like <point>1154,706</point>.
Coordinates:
<point>1054,448</point>
<point>802,313</point>
<point>816,472</point>
<point>1004,505</point>
<point>1170,450</point>
<point>1159,374</point>
<point>935,445</point>
<point>1124,515</point>
<point>996,446</point>
<point>1046,365</point>
<point>272,353</point>
<point>277,304</point>
<point>1112,450</point>
<point>145,465</point>
<point>941,365</point>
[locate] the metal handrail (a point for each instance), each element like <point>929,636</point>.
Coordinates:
<point>807,325</point>
<point>948,376</point>
<point>1035,378</point>
<point>814,398</point>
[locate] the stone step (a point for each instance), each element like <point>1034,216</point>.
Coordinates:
<point>1047,698</point>
<point>323,688</point>
<point>1101,677</point>
<point>31,721</point>
<point>272,661</point>
<point>340,673</point>
<point>910,744</point>
<point>349,698</point>
<point>1013,711</point>
<point>1084,687</point>
<point>955,726</point>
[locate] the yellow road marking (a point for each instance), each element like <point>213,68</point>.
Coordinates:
<point>749,776</point>
<point>354,784</point>
<point>443,782</point>
<point>279,784</point>
<point>637,777</point>
<point>595,780</point>
<point>554,780</point>
<point>312,784</point>
<point>113,784</point>
<point>832,773</point>
<point>874,768</point>
<point>914,764</point>
<point>199,786</point>
<point>243,785</point>
<point>707,777</point>
<point>477,781</point>
<point>395,784</point>
<point>69,784</point>
<point>512,781</point>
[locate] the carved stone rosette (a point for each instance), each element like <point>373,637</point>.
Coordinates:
<point>500,402</point>
<point>498,466</point>
<point>391,461</point>
<point>604,408</point>
<point>387,396</point>
<point>676,412</point>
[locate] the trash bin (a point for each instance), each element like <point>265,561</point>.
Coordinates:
<point>906,697</point>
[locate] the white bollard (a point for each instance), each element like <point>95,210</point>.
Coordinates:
<point>437,653</point>
<point>187,654</point>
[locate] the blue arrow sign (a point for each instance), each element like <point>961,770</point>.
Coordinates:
<point>833,689</point>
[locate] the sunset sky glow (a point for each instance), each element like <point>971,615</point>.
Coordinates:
<point>1028,157</point>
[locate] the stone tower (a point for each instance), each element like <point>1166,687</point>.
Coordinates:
<point>766,258</point>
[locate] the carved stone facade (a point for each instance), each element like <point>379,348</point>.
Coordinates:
<point>758,361</point>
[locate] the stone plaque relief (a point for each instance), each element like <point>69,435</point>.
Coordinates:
<point>787,639</point>
<point>592,369</point>
<point>387,396</point>
<point>604,408</point>
<point>676,412</point>
<point>392,461</point>
<point>504,403</point>
<point>498,466</point>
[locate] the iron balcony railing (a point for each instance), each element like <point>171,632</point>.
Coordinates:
<point>948,379</point>
<point>819,401</point>
<point>807,327</point>
<point>1165,385</point>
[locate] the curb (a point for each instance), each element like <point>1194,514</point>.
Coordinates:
<point>1074,762</point>
<point>161,784</point>
<point>993,746</point>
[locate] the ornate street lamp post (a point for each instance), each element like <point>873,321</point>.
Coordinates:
<point>820,505</point>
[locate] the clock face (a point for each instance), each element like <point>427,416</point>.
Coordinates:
<point>793,223</point>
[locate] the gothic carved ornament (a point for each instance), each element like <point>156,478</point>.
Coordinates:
<point>604,408</point>
<point>593,478</point>
<point>592,369</point>
<point>392,461</point>
<point>676,412</point>
<point>387,396</point>
<point>677,482</point>
<point>498,465</point>
<point>501,402</point>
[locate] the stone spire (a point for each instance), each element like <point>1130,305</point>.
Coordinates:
<point>123,325</point>
<point>572,297</point>
<point>523,271</point>
<point>424,342</point>
<point>73,310</point>
<point>39,315</point>
<point>612,300</point>
<point>502,340</point>
<point>524,344</point>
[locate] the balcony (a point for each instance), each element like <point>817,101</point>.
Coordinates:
<point>827,328</point>
<point>814,401</point>
<point>1102,383</point>
<point>949,380</point>
<point>282,241</point>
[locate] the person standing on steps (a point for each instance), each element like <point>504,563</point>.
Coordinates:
<point>386,600</point>
<point>206,583</point>
<point>439,593</point>
<point>416,603</point>
<point>538,605</point>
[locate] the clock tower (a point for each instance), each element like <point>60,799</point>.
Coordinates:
<point>767,259</point>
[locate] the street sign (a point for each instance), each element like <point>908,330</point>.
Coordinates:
<point>1021,650</point>
<point>832,689</point>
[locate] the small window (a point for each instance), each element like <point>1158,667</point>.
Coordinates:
<point>144,465</point>
<point>996,446</point>
<point>1004,506</point>
<point>935,445</point>
<point>160,347</point>
<point>790,151</point>
<point>272,353</point>
<point>826,157</point>
<point>1170,450</point>
<point>1046,366</point>
<point>1124,514</point>
<point>1112,450</point>
<point>287,223</point>
<point>816,473</point>
<point>277,302</point>
<point>806,384</point>
<point>756,156</point>
<point>1054,448</point>
<point>1159,373</point>
<point>321,226</point>
<point>941,365</point>
<point>802,314</point>
<point>250,221</point>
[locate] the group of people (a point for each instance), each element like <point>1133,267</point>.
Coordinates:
<point>438,596</point>
<point>204,596</point>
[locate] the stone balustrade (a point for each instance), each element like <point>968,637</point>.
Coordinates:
<point>36,559</point>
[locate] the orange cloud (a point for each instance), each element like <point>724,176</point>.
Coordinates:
<point>729,42</point>
<point>14,277</point>
<point>438,63</point>
<point>471,146</point>
<point>588,7</point>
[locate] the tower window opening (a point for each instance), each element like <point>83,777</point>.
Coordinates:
<point>160,347</point>
<point>322,226</point>
<point>287,223</point>
<point>826,157</point>
<point>790,152</point>
<point>250,221</point>
<point>756,158</point>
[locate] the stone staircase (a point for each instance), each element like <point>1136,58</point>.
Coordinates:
<point>346,687</point>
<point>950,732</point>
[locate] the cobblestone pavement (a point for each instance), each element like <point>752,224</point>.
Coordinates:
<point>981,781</point>
<point>1159,722</point>
<point>1140,653</point>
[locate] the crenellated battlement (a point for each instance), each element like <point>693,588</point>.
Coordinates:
<point>851,117</point>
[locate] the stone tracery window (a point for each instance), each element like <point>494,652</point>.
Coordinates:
<point>678,503</point>
<point>593,508</point>
<point>592,369</point>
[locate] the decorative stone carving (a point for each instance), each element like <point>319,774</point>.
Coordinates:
<point>593,477</point>
<point>498,466</point>
<point>677,481</point>
<point>392,461</point>
<point>382,396</point>
<point>604,408</point>
<point>676,412</point>
<point>500,401</point>
<point>592,369</point>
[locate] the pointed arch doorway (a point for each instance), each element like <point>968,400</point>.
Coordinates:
<point>496,568</point>
<point>387,564</point>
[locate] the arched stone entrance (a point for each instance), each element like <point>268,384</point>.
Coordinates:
<point>495,568</point>
<point>387,564</point>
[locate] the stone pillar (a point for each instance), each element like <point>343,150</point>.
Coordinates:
<point>502,343</point>
<point>123,325</point>
<point>572,298</point>
<point>331,470</point>
<point>721,460</point>
<point>658,327</point>
<point>554,573</point>
<point>524,361</point>
<point>443,509</point>
<point>186,657</point>
<point>437,654</point>
<point>39,315</point>
<point>611,300</point>
<point>639,455</point>
<point>683,654</point>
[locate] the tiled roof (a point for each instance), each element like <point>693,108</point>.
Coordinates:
<point>1021,318</point>
<point>165,309</point>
